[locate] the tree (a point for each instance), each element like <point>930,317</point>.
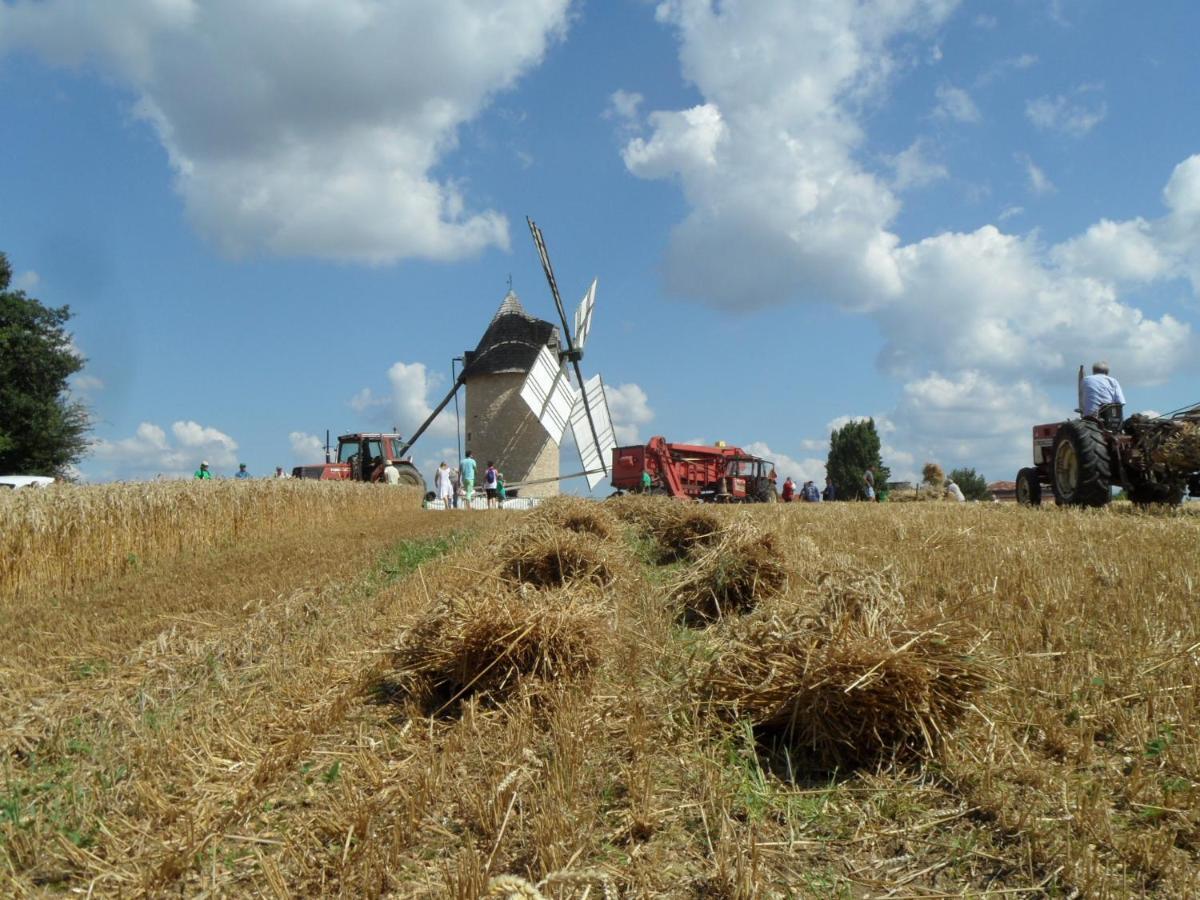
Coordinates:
<point>973,486</point>
<point>852,448</point>
<point>42,430</point>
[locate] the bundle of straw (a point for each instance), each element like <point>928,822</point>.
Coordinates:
<point>846,685</point>
<point>732,575</point>
<point>1179,451</point>
<point>677,528</point>
<point>546,556</point>
<point>577,514</point>
<point>488,642</point>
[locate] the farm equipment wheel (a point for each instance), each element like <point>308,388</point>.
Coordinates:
<point>1029,488</point>
<point>1082,472</point>
<point>410,476</point>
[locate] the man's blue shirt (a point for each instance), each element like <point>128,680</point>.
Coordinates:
<point>1099,390</point>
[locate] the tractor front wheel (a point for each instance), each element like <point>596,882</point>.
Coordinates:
<point>1029,488</point>
<point>410,476</point>
<point>1082,474</point>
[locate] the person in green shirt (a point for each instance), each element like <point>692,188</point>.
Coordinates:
<point>647,482</point>
<point>202,473</point>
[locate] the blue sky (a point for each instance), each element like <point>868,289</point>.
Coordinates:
<point>280,218</point>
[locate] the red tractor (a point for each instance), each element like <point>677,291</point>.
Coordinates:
<point>361,457</point>
<point>717,474</point>
<point>1155,460</point>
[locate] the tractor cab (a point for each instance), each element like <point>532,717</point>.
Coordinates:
<point>747,478</point>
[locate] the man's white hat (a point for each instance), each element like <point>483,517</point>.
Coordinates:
<point>203,463</point>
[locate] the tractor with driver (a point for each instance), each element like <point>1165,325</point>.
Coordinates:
<point>1153,459</point>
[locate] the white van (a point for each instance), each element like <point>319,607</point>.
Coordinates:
<point>12,482</point>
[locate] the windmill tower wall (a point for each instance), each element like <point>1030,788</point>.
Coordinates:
<point>500,426</point>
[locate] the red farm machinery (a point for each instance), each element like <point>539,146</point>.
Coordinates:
<point>717,474</point>
<point>1154,460</point>
<point>361,457</point>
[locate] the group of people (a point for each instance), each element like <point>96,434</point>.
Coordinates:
<point>455,487</point>
<point>204,473</point>
<point>808,492</point>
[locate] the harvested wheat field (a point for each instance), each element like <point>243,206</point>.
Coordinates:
<point>297,690</point>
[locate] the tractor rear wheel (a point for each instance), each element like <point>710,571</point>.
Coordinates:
<point>1082,473</point>
<point>410,476</point>
<point>1029,488</point>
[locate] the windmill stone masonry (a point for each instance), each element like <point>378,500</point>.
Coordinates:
<point>500,426</point>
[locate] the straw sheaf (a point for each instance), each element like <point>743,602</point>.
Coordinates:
<point>678,529</point>
<point>546,556</point>
<point>845,681</point>
<point>1180,451</point>
<point>731,576</point>
<point>487,642</point>
<point>586,517</point>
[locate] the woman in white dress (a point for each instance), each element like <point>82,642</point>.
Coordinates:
<point>442,482</point>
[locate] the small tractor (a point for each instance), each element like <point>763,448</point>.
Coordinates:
<point>717,474</point>
<point>361,457</point>
<point>1155,460</point>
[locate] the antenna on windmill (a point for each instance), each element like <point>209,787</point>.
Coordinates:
<point>548,390</point>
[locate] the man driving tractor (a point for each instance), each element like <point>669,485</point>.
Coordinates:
<point>1099,389</point>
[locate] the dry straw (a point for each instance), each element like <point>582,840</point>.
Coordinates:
<point>678,529</point>
<point>843,679</point>
<point>488,641</point>
<point>731,576</point>
<point>586,517</point>
<point>546,556</point>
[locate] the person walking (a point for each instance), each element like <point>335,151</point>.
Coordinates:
<point>501,493</point>
<point>490,475</point>
<point>202,473</point>
<point>647,481</point>
<point>811,494</point>
<point>466,470</point>
<point>445,489</point>
<point>789,490</point>
<point>869,484</point>
<point>455,486</point>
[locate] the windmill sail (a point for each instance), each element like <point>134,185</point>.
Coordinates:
<point>549,394</point>
<point>594,453</point>
<point>583,315</point>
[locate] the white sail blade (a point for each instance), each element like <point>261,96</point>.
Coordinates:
<point>596,458</point>
<point>549,394</point>
<point>583,315</point>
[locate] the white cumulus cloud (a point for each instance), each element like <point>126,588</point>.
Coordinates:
<point>630,409</point>
<point>318,127</point>
<point>307,449</point>
<point>149,452</point>
<point>413,392</point>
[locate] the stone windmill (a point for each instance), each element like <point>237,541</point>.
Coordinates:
<point>520,397</point>
<point>499,424</point>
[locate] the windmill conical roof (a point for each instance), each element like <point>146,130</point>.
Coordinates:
<point>512,340</point>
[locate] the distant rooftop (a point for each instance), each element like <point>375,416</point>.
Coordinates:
<point>511,342</point>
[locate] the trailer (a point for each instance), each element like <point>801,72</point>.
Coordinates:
<point>716,474</point>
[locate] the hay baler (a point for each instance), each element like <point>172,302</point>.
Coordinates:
<point>361,457</point>
<point>717,474</point>
<point>1155,460</point>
